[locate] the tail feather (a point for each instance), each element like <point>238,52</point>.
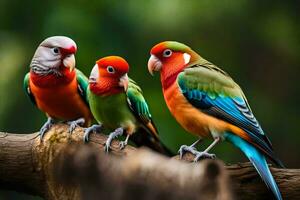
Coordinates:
<point>258,160</point>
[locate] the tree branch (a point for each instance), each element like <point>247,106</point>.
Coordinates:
<point>62,167</point>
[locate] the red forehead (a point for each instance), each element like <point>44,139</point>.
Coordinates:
<point>114,61</point>
<point>158,48</point>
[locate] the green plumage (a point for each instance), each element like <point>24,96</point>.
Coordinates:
<point>111,111</point>
<point>211,90</point>
<point>215,93</point>
<point>27,89</point>
<point>130,111</point>
<point>121,110</point>
<point>83,84</point>
<point>137,103</point>
<point>210,79</point>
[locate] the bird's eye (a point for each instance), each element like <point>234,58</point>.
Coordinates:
<point>110,69</point>
<point>167,53</point>
<point>55,50</point>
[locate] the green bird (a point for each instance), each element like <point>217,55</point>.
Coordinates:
<point>117,104</point>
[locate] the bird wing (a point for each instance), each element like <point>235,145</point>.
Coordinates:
<point>27,88</point>
<point>214,92</point>
<point>139,107</point>
<point>82,86</point>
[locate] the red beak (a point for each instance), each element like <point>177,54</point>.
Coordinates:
<point>68,51</point>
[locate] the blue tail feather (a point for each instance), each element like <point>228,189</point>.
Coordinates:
<point>258,160</point>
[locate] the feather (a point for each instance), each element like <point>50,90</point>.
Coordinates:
<point>258,160</point>
<point>139,107</point>
<point>198,83</point>
<point>83,83</point>
<point>27,88</point>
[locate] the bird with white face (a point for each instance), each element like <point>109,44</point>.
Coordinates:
<point>55,86</point>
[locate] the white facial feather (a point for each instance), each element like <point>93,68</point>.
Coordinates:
<point>94,74</point>
<point>45,58</point>
<point>186,58</point>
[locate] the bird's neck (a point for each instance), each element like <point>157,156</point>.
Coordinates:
<point>168,80</point>
<point>62,77</point>
<point>106,87</point>
<point>170,71</point>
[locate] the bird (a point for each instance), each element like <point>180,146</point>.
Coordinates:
<point>118,104</point>
<point>208,103</point>
<point>55,86</point>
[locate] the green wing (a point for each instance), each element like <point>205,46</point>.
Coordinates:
<point>83,83</point>
<point>211,80</point>
<point>27,88</point>
<point>139,107</point>
<point>213,91</point>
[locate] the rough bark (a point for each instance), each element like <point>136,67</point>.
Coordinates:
<point>61,167</point>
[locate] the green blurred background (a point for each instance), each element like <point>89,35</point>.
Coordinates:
<point>256,42</point>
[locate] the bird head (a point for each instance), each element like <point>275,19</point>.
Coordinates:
<point>112,71</point>
<point>170,57</point>
<point>53,55</point>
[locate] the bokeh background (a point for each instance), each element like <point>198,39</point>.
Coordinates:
<point>256,42</point>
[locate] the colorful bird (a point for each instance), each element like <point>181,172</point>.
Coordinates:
<point>55,87</point>
<point>117,103</point>
<point>208,103</point>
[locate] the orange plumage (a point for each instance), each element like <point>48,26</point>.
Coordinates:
<point>192,119</point>
<point>61,101</point>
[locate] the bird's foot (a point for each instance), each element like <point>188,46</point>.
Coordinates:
<point>75,123</point>
<point>118,132</point>
<point>184,148</point>
<point>122,144</point>
<point>198,154</point>
<point>96,128</point>
<point>203,155</point>
<point>46,127</point>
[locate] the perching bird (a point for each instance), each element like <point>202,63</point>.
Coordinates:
<point>117,103</point>
<point>208,103</point>
<point>55,86</point>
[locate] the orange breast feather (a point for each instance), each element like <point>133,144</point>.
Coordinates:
<point>192,119</point>
<point>61,102</point>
